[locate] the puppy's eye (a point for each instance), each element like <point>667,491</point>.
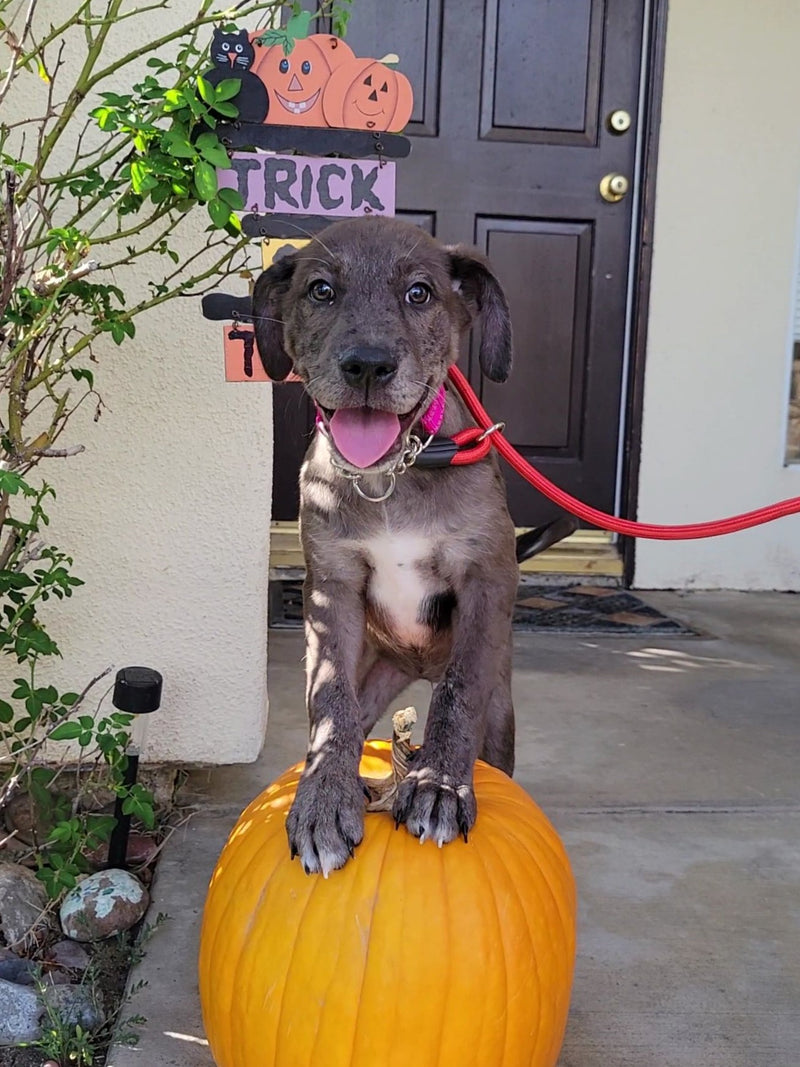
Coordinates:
<point>321,291</point>
<point>418,293</point>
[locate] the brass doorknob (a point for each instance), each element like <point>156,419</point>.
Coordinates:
<point>614,187</point>
<point>619,121</point>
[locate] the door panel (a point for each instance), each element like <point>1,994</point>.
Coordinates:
<point>510,143</point>
<point>543,269</point>
<point>531,93</point>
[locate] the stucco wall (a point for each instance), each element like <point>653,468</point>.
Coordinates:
<point>167,514</point>
<point>721,303</point>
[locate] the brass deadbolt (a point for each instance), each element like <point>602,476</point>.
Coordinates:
<point>614,187</point>
<point>619,121</point>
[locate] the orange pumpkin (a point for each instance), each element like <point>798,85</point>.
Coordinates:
<point>408,955</point>
<point>295,83</point>
<point>363,94</point>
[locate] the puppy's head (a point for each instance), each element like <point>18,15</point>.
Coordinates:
<point>369,315</point>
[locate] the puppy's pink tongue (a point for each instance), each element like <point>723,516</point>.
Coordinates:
<point>364,436</point>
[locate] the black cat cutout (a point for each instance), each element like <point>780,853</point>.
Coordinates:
<point>233,55</point>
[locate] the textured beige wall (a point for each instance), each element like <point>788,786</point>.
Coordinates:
<point>721,304</point>
<point>167,517</point>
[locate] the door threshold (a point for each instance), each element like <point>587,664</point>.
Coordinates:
<point>586,552</point>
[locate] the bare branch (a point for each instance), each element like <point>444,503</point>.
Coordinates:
<point>16,49</point>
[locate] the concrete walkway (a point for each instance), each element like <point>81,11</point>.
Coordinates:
<point>671,767</point>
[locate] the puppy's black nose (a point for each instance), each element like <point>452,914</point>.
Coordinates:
<point>363,365</point>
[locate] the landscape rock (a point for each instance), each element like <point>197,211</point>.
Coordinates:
<point>23,1012</point>
<point>141,849</point>
<point>24,817</point>
<point>102,905</point>
<point>20,1011</point>
<point>70,955</point>
<point>74,1005</point>
<point>14,968</point>
<point>23,920</point>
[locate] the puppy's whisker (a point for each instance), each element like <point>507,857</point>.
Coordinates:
<point>408,253</point>
<point>315,259</point>
<point>309,234</point>
<point>264,318</point>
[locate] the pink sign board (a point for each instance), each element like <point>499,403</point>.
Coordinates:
<point>304,185</point>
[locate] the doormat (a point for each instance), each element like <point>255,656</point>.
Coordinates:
<point>566,609</point>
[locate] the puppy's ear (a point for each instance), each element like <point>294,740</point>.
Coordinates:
<point>485,300</point>
<point>268,297</point>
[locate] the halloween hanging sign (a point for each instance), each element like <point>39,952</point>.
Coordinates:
<point>301,185</point>
<point>292,78</point>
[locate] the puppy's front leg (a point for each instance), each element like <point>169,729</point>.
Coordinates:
<point>326,820</point>
<point>436,800</point>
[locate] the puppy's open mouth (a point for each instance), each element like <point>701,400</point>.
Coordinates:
<point>365,435</point>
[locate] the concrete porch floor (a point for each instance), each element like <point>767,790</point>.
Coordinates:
<point>671,768</point>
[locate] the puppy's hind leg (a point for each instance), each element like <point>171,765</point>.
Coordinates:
<point>498,739</point>
<point>384,681</point>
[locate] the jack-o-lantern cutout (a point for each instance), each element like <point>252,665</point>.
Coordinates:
<point>295,82</point>
<point>363,94</point>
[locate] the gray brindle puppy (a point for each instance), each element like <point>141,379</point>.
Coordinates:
<point>420,584</point>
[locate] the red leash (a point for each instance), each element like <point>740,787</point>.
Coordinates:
<point>600,518</point>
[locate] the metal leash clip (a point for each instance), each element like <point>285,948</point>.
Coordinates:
<point>497,427</point>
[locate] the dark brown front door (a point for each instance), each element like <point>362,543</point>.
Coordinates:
<point>512,136</point>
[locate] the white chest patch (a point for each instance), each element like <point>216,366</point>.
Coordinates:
<point>398,587</point>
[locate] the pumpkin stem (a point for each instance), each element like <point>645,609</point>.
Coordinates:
<point>382,791</point>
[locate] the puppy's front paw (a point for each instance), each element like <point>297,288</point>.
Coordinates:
<point>326,820</point>
<point>435,805</point>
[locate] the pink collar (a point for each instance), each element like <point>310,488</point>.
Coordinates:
<point>431,421</point>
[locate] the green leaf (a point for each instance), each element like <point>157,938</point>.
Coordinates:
<point>230,111</point>
<point>205,180</point>
<point>210,148</point>
<point>176,142</point>
<point>227,89</point>
<point>39,641</point>
<point>206,89</point>
<point>175,98</point>
<point>106,118</point>
<point>16,581</point>
<point>219,212</point>
<point>233,198</point>
<point>13,483</point>
<point>142,179</point>
<point>297,26</point>
<point>67,731</point>
<point>272,37</point>
<point>68,699</point>
<point>82,374</point>
<point>6,712</point>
